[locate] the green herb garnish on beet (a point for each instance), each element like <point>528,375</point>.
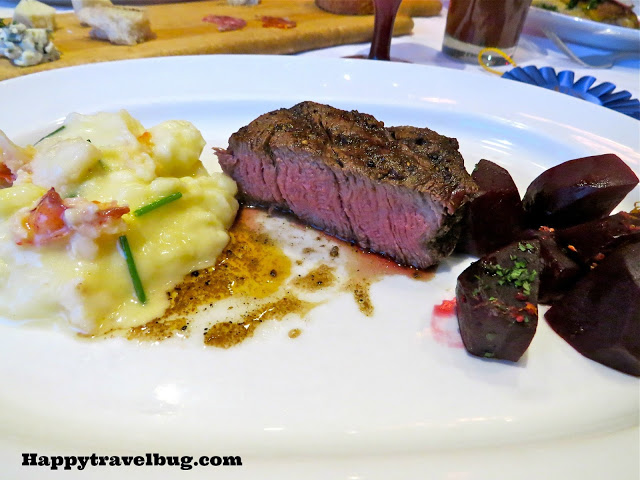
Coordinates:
<point>519,275</point>
<point>133,271</point>
<point>497,300</point>
<point>157,204</point>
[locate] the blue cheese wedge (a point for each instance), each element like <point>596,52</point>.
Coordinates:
<point>27,46</point>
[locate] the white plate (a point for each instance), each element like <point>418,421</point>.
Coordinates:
<point>583,31</point>
<point>353,397</point>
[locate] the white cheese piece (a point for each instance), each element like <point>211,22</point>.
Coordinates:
<point>119,25</point>
<point>80,4</point>
<point>35,14</point>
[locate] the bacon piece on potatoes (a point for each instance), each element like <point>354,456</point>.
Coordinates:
<point>45,223</point>
<point>49,220</point>
<point>6,177</point>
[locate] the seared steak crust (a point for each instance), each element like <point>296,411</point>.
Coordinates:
<point>397,191</point>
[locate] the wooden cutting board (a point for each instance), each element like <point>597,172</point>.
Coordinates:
<point>180,30</point>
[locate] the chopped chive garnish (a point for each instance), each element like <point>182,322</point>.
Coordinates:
<point>157,204</point>
<point>133,271</point>
<point>59,129</point>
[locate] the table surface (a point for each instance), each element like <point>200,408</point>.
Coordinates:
<point>424,47</point>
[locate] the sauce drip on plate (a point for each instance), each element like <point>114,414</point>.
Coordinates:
<point>256,281</point>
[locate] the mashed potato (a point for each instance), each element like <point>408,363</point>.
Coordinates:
<point>67,200</point>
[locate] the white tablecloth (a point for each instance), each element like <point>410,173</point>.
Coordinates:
<point>424,46</point>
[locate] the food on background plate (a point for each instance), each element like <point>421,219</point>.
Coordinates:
<point>613,12</point>
<point>116,24</point>
<point>99,220</point>
<point>397,191</point>
<point>243,2</point>
<point>35,14</point>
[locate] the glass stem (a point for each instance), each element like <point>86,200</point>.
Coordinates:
<point>385,15</point>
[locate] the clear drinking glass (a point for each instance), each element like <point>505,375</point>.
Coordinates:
<point>473,25</point>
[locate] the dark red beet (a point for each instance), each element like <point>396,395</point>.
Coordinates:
<point>590,242</point>
<point>495,217</point>
<point>497,300</point>
<point>578,191</point>
<point>558,272</point>
<point>600,316</point>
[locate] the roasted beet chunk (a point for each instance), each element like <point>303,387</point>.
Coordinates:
<point>590,242</point>
<point>578,191</point>
<point>497,300</point>
<point>558,272</point>
<point>494,218</point>
<point>600,316</point>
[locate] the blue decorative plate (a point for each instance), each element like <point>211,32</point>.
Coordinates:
<point>563,82</point>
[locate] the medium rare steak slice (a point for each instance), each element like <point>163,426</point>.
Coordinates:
<point>396,191</point>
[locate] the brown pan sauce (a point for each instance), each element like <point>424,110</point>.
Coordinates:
<point>257,275</point>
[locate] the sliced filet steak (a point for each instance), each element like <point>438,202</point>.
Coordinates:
<point>396,191</point>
